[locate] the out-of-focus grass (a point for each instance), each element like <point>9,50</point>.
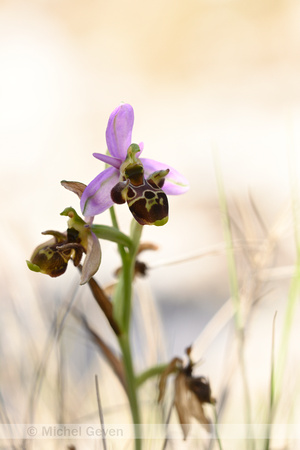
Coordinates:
<point>49,362</point>
<point>240,322</point>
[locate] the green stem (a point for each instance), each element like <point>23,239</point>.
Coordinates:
<point>122,313</point>
<point>135,234</point>
<point>116,225</point>
<point>131,388</point>
<point>123,294</point>
<point>126,294</point>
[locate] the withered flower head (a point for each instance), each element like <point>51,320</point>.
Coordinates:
<point>190,393</point>
<point>52,257</point>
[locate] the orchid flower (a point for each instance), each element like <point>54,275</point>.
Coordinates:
<point>142,182</point>
<point>52,257</point>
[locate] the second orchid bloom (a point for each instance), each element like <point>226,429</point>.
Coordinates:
<point>143,183</point>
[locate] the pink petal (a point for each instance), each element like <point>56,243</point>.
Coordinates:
<point>115,162</point>
<point>119,130</point>
<point>96,196</point>
<point>175,183</point>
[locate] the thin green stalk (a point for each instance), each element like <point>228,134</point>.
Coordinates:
<point>294,291</point>
<point>167,423</point>
<point>234,289</point>
<point>272,390</point>
<point>288,321</point>
<point>149,373</point>
<point>100,411</point>
<point>217,428</point>
<point>233,278</point>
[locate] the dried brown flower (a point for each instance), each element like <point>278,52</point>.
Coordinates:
<point>190,393</point>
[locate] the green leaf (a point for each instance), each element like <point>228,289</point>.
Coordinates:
<point>111,234</point>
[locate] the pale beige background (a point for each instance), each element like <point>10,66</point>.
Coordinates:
<point>199,74</point>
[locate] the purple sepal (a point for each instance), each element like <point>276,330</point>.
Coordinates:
<point>119,130</point>
<point>175,183</point>
<point>96,196</point>
<point>115,162</point>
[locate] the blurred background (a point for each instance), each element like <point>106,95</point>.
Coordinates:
<point>202,75</point>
